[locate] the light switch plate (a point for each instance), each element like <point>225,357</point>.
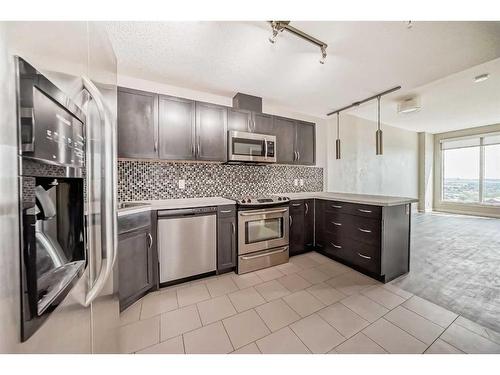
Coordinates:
<point>182,184</point>
<point>296,182</point>
<point>301,182</point>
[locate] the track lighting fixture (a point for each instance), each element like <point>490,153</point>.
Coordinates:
<point>276,28</point>
<point>279,26</point>
<point>323,55</point>
<point>378,134</point>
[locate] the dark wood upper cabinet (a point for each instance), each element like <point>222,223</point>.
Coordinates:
<point>305,143</point>
<point>137,124</point>
<point>152,126</point>
<point>284,130</point>
<point>239,120</point>
<point>262,123</point>
<point>176,128</point>
<point>211,132</point>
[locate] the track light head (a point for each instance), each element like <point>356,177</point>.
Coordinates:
<point>276,28</point>
<point>323,55</point>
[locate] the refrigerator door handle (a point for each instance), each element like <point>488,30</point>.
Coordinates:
<point>108,201</point>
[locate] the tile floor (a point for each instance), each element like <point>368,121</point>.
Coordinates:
<point>309,305</point>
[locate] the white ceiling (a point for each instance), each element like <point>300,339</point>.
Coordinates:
<point>451,103</point>
<point>363,58</point>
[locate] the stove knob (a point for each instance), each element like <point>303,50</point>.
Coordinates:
<point>279,198</point>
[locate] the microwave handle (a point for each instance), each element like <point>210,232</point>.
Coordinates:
<point>265,147</point>
<point>108,201</point>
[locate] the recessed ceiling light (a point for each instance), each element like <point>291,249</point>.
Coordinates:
<point>481,77</point>
<point>409,105</point>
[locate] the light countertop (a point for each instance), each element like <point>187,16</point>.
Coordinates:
<point>168,204</point>
<point>374,200</point>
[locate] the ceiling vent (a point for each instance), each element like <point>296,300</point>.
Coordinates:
<point>247,102</point>
<point>409,105</point>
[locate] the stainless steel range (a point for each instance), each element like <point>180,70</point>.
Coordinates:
<point>263,232</point>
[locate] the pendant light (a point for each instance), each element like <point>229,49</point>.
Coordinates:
<point>337,141</point>
<point>378,134</point>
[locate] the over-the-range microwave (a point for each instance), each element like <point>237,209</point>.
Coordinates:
<point>251,147</point>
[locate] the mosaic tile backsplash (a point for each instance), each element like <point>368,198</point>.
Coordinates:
<point>149,180</point>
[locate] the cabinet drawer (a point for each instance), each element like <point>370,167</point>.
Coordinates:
<point>355,227</point>
<point>226,211</point>
<point>336,222</point>
<point>335,245</point>
<point>364,255</point>
<point>365,230</point>
<point>354,209</point>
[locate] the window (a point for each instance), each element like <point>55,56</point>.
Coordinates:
<point>491,194</point>
<point>471,169</point>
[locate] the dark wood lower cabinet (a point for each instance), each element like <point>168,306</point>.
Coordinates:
<point>226,238</point>
<point>301,226</point>
<point>136,257</point>
<point>371,239</point>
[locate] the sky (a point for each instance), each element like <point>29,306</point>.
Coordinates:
<point>464,163</point>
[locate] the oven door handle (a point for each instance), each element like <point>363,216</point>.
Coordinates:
<point>265,147</point>
<point>260,212</point>
<point>282,250</point>
<point>108,201</point>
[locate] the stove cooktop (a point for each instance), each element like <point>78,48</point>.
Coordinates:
<point>262,201</point>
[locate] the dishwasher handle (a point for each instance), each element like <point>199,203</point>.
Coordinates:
<point>187,212</point>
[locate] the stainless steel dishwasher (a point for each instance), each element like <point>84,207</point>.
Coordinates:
<point>187,242</point>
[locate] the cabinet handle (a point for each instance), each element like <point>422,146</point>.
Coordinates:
<point>295,204</point>
<point>193,149</point>
<point>335,206</point>
<point>254,126</point>
<point>298,155</point>
<point>226,211</point>
<point>156,145</point>
<point>364,256</point>
<point>337,224</point>
<point>365,230</point>
<point>199,149</point>
<point>233,229</point>
<point>365,211</point>
<point>249,125</point>
<point>291,220</point>
<point>307,208</point>
<point>150,241</point>
<point>336,246</point>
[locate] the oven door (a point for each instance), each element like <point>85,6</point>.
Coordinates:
<point>251,147</point>
<point>262,229</point>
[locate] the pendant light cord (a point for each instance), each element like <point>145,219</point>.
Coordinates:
<point>378,115</point>
<point>338,125</point>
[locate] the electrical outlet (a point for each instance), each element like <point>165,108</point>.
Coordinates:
<point>301,182</point>
<point>182,184</point>
<point>296,182</point>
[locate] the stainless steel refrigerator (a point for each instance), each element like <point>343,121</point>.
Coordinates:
<point>78,58</point>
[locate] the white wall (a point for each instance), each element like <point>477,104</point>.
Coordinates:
<point>360,170</point>
<point>321,124</point>
<point>425,171</point>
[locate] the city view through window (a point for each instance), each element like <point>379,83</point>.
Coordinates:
<point>462,178</point>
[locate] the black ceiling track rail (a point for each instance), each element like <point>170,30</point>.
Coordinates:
<point>358,103</point>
